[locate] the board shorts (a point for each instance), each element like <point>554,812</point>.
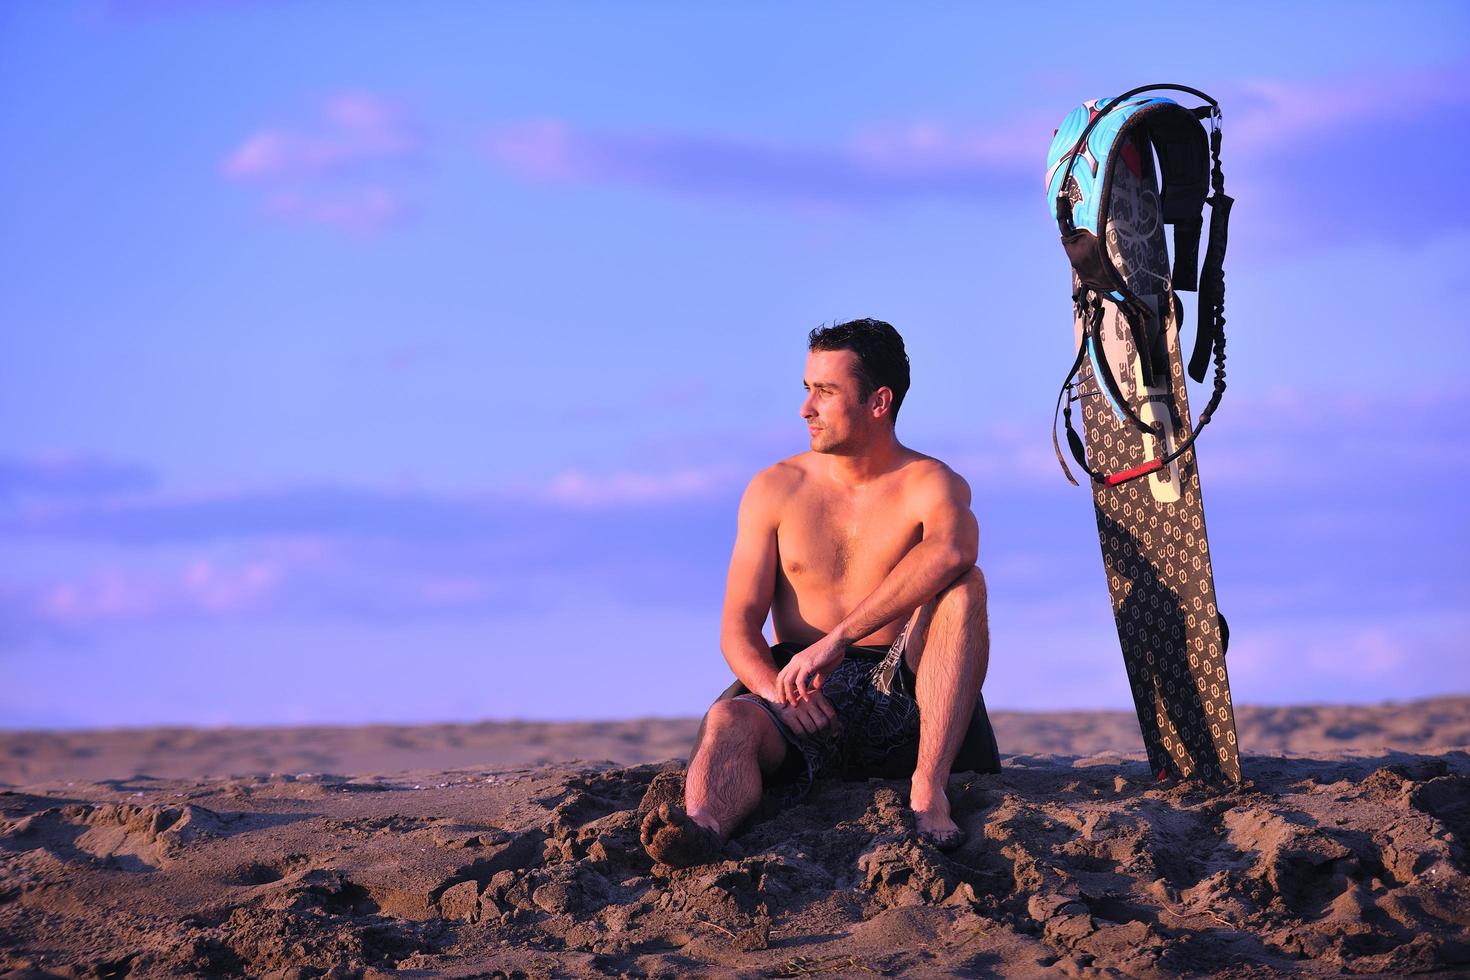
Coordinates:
<point>869,728</point>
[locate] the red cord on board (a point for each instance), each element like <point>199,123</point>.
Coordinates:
<point>1139,470</point>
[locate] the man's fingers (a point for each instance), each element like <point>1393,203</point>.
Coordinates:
<point>783,685</point>
<point>826,707</point>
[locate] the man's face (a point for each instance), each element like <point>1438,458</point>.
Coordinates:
<point>835,416</point>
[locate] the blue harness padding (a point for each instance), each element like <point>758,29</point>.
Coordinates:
<point>1097,152</point>
<point>1079,180</point>
<point>1080,164</point>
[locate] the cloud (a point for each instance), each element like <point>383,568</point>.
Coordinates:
<point>370,512</point>
<point>1292,438</point>
<point>1269,113</point>
<point>70,475</point>
<point>363,553</point>
<point>354,130</point>
<point>1313,161</point>
<point>619,488</point>
<point>879,163</point>
<point>1320,505</point>
<point>202,587</point>
<point>1351,657</point>
<point>345,169</point>
<point>1319,163</point>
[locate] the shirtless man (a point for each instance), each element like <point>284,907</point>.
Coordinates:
<point>847,547</point>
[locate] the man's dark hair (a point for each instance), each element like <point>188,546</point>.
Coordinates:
<point>882,361</point>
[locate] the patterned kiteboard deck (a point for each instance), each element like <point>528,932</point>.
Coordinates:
<point>1152,529</point>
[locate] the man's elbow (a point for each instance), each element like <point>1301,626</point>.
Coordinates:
<point>959,559</point>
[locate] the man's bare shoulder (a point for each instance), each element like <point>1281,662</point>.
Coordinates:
<point>781,480</point>
<point>926,476</point>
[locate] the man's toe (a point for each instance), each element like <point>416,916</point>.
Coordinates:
<point>653,821</point>
<point>945,840</point>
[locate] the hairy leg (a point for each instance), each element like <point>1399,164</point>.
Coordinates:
<point>949,651</point>
<point>737,743</point>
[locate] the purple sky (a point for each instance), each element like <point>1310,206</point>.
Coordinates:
<point>363,366</point>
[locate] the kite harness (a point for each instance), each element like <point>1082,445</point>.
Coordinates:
<point>1093,138</point>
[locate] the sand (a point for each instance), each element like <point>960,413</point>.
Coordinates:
<point>483,850</point>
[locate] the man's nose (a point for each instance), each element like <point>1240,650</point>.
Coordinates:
<point>808,410</point>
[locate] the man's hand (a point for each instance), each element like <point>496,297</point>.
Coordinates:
<point>808,717</point>
<point>801,678</point>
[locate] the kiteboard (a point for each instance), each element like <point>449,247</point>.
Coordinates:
<point>1128,380</point>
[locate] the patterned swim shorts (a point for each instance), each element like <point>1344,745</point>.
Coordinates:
<point>870,725</point>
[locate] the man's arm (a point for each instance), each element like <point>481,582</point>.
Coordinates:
<point>750,588</point>
<point>949,545</point>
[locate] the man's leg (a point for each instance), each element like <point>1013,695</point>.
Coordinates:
<point>738,742</point>
<point>949,651</point>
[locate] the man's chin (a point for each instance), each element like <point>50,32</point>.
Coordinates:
<point>824,446</point>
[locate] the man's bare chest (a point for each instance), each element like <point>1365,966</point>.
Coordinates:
<point>825,542</point>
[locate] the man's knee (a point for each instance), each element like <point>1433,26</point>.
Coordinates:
<point>735,726</point>
<point>965,594</point>
<point>732,720</point>
<point>729,712</point>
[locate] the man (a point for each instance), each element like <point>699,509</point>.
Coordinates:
<point>861,550</point>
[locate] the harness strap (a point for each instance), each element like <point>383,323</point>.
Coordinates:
<point>1137,314</point>
<point>1186,253</point>
<point>1211,330</point>
<point>1061,396</point>
<point>1074,440</point>
<point>882,675</point>
<point>1101,366</point>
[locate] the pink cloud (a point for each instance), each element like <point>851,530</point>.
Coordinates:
<point>544,149</point>
<point>216,589</point>
<point>927,146</point>
<point>582,489</point>
<point>1265,112</point>
<point>455,591</point>
<point>203,587</point>
<point>1300,659</point>
<point>344,169</point>
<point>879,162</point>
<point>354,129</point>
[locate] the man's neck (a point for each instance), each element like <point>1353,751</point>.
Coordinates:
<point>881,456</point>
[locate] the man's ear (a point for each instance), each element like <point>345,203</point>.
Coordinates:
<point>881,402</point>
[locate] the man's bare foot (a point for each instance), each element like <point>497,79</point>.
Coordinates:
<point>932,819</point>
<point>670,836</point>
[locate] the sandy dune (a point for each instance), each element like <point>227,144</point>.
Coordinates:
<point>1346,853</point>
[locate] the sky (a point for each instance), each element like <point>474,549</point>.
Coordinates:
<point>371,363</point>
